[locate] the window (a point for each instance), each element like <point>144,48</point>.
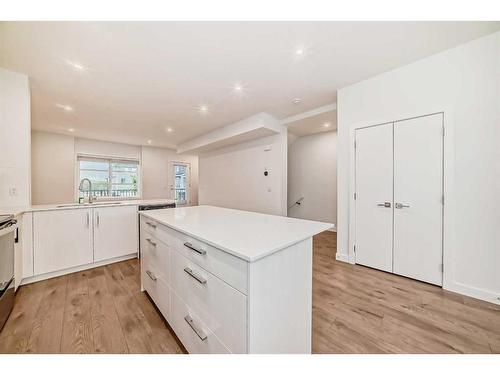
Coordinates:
<point>110,178</point>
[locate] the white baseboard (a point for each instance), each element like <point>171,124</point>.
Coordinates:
<point>83,267</point>
<point>342,257</point>
<point>470,291</point>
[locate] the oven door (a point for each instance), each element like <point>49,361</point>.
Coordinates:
<point>7,235</point>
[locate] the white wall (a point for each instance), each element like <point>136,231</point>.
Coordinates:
<point>53,168</point>
<point>103,148</point>
<point>156,172</point>
<point>233,176</point>
<point>15,148</point>
<point>312,174</point>
<point>464,82</point>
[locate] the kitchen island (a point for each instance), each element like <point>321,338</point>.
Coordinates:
<point>231,281</point>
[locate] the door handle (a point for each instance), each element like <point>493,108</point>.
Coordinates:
<point>151,242</point>
<point>385,204</point>
<point>88,220</point>
<point>151,224</point>
<point>400,205</point>
<point>98,220</point>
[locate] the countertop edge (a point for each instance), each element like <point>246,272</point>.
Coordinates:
<point>16,211</point>
<point>232,252</point>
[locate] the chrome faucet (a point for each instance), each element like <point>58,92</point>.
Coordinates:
<point>89,190</point>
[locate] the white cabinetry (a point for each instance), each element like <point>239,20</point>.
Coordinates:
<point>225,301</point>
<point>115,232</point>
<point>26,237</point>
<point>62,239</point>
<point>206,310</point>
<point>71,239</point>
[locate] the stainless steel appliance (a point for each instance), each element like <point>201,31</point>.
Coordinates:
<point>157,206</point>
<point>8,229</point>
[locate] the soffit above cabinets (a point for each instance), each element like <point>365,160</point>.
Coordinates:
<point>318,120</point>
<point>254,127</point>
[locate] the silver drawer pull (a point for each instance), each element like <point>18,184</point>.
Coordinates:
<point>151,275</point>
<point>190,246</point>
<point>151,224</point>
<point>151,242</point>
<point>190,272</point>
<point>201,334</point>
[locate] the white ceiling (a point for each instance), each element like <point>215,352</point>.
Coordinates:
<point>142,77</point>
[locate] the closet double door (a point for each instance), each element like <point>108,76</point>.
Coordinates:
<point>399,197</point>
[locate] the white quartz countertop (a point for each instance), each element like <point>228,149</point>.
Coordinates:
<point>17,210</point>
<point>247,235</point>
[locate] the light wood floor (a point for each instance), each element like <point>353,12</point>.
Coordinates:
<point>355,310</point>
<point>361,310</point>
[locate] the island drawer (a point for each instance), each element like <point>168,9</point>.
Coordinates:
<point>222,308</point>
<point>156,253</point>
<point>157,287</point>
<point>231,269</point>
<point>192,331</point>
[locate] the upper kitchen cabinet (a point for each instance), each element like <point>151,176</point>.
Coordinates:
<point>62,239</point>
<point>115,232</point>
<point>15,139</point>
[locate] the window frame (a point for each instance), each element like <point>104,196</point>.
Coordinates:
<point>109,160</point>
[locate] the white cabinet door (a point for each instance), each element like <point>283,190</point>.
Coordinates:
<point>115,232</point>
<point>374,173</point>
<point>26,234</point>
<point>418,192</point>
<point>62,239</point>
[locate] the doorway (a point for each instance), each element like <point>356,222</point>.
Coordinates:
<point>399,197</point>
<point>180,183</point>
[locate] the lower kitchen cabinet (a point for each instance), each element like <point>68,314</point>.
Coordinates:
<point>115,232</point>
<point>62,239</point>
<point>216,298</point>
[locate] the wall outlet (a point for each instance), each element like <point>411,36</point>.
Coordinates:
<point>13,191</point>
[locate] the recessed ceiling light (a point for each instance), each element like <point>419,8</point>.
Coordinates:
<point>238,87</point>
<point>203,108</point>
<point>67,108</point>
<point>149,141</point>
<point>299,51</point>
<point>169,130</point>
<point>71,130</point>
<point>75,65</point>
<point>296,101</point>
<point>326,125</point>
